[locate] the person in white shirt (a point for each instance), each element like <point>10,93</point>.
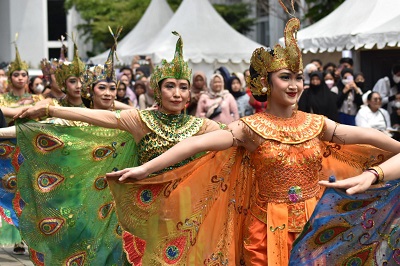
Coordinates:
<point>388,87</point>
<point>372,115</point>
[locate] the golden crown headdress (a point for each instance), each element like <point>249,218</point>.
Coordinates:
<point>66,69</point>
<point>265,61</point>
<point>105,72</point>
<point>49,66</point>
<point>177,68</point>
<point>17,64</point>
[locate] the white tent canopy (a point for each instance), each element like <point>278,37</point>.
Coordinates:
<point>157,14</point>
<point>353,25</point>
<point>209,42</point>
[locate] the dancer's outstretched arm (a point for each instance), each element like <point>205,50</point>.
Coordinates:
<point>212,141</point>
<point>360,183</point>
<point>103,118</point>
<point>8,132</point>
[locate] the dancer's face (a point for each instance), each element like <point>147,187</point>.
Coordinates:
<point>73,87</point>
<point>104,94</point>
<point>286,88</point>
<point>174,95</point>
<point>19,78</point>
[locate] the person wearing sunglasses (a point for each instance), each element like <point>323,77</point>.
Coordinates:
<point>121,94</point>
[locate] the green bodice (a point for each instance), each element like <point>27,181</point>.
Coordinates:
<point>64,102</point>
<point>166,131</point>
<point>10,100</point>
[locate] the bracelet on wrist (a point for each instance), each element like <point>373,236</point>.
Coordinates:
<point>376,176</point>
<point>48,110</point>
<point>377,171</point>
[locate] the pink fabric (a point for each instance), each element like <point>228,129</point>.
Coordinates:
<point>229,108</point>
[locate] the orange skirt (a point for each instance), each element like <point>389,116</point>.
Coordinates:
<point>255,244</point>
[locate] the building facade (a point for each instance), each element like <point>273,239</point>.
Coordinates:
<point>39,24</point>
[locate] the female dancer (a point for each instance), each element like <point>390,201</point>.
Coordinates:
<point>18,79</point>
<point>66,220</point>
<point>284,153</point>
<point>153,131</point>
<point>68,78</point>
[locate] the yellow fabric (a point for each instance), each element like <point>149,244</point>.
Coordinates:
<point>194,210</point>
<point>199,214</point>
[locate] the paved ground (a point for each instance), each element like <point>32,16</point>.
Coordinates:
<point>7,258</point>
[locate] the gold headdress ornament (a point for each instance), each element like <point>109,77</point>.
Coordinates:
<point>49,67</point>
<point>105,72</point>
<point>17,64</point>
<point>265,61</point>
<point>67,69</point>
<point>177,68</point>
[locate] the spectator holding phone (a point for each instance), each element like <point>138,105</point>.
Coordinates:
<point>349,97</point>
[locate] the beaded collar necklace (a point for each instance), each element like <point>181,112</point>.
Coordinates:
<point>173,127</point>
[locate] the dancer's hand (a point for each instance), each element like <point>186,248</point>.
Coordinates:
<point>32,112</point>
<point>128,174</point>
<point>353,185</point>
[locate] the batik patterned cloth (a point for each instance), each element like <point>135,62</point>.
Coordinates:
<point>197,214</point>
<point>361,229</point>
<point>66,212</point>
<point>191,215</point>
<point>10,161</point>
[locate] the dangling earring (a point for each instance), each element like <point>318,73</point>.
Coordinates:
<point>295,107</point>
<point>91,104</point>
<point>268,97</point>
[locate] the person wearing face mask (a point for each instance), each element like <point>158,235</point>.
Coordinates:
<point>36,85</point>
<point>388,87</point>
<point>329,78</point>
<point>359,80</point>
<point>349,97</point>
<point>318,99</point>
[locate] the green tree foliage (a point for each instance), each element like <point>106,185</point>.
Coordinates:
<point>174,4</point>
<point>317,9</point>
<point>237,15</point>
<point>99,14</point>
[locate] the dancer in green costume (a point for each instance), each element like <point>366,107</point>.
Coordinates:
<point>65,209</point>
<point>154,131</point>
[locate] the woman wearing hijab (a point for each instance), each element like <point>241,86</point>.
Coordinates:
<point>319,99</point>
<point>240,95</point>
<point>199,85</point>
<point>217,104</point>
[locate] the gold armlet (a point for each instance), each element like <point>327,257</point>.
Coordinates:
<point>48,110</point>
<point>379,174</point>
<point>234,139</point>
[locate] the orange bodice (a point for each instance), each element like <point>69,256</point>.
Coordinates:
<point>288,161</point>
